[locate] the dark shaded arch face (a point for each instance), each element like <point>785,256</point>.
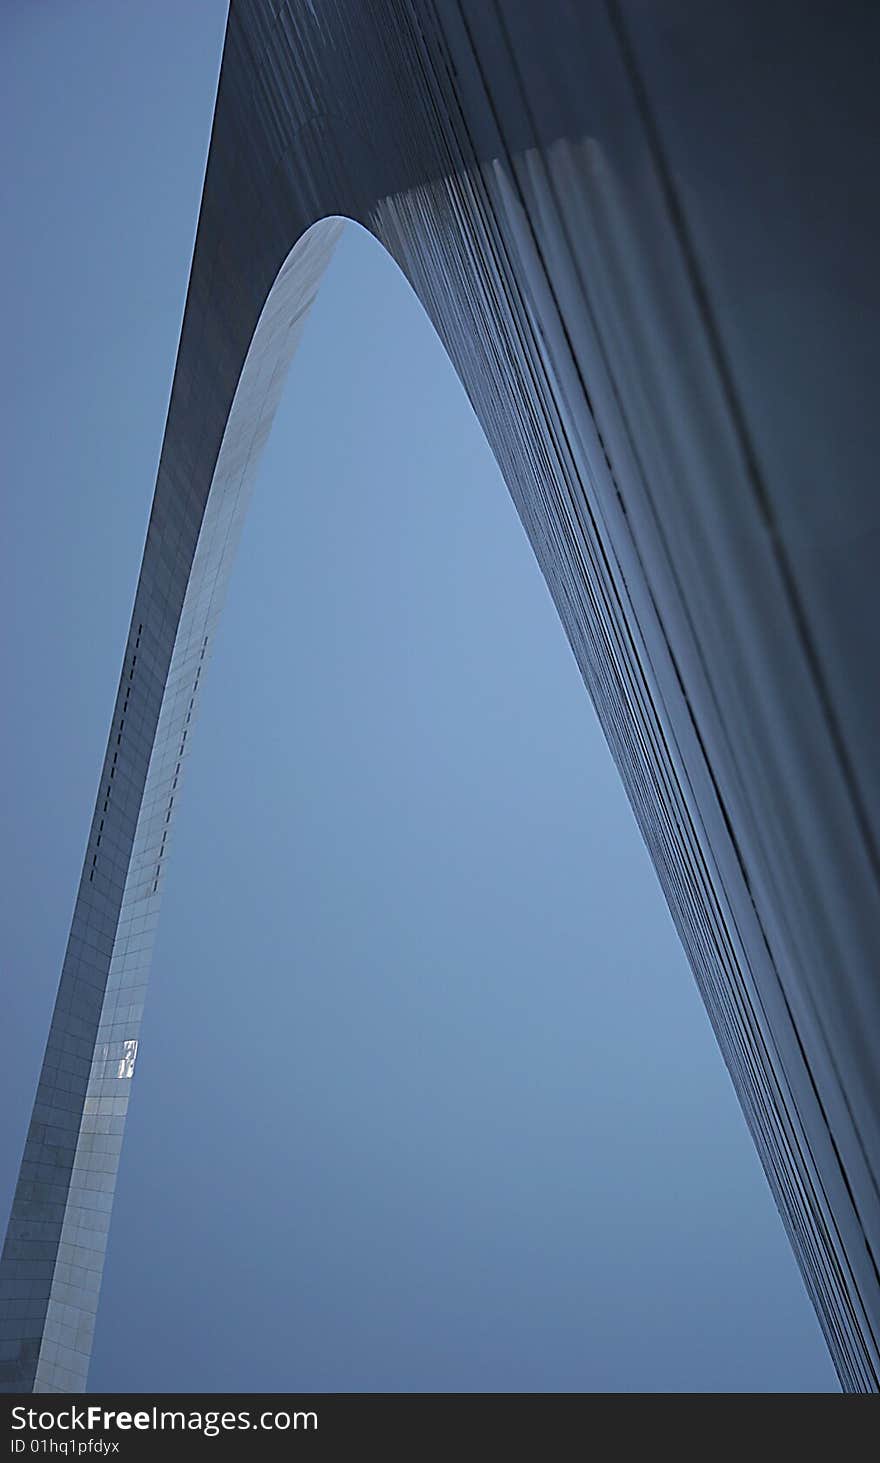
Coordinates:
<point>647,236</point>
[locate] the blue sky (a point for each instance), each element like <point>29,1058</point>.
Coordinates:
<point>426,1098</point>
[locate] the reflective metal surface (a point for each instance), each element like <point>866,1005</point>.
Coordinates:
<point>647,236</point>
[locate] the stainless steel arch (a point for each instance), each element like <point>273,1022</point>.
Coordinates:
<point>646,236</point>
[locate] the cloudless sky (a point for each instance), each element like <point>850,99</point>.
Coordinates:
<point>426,1098</point>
